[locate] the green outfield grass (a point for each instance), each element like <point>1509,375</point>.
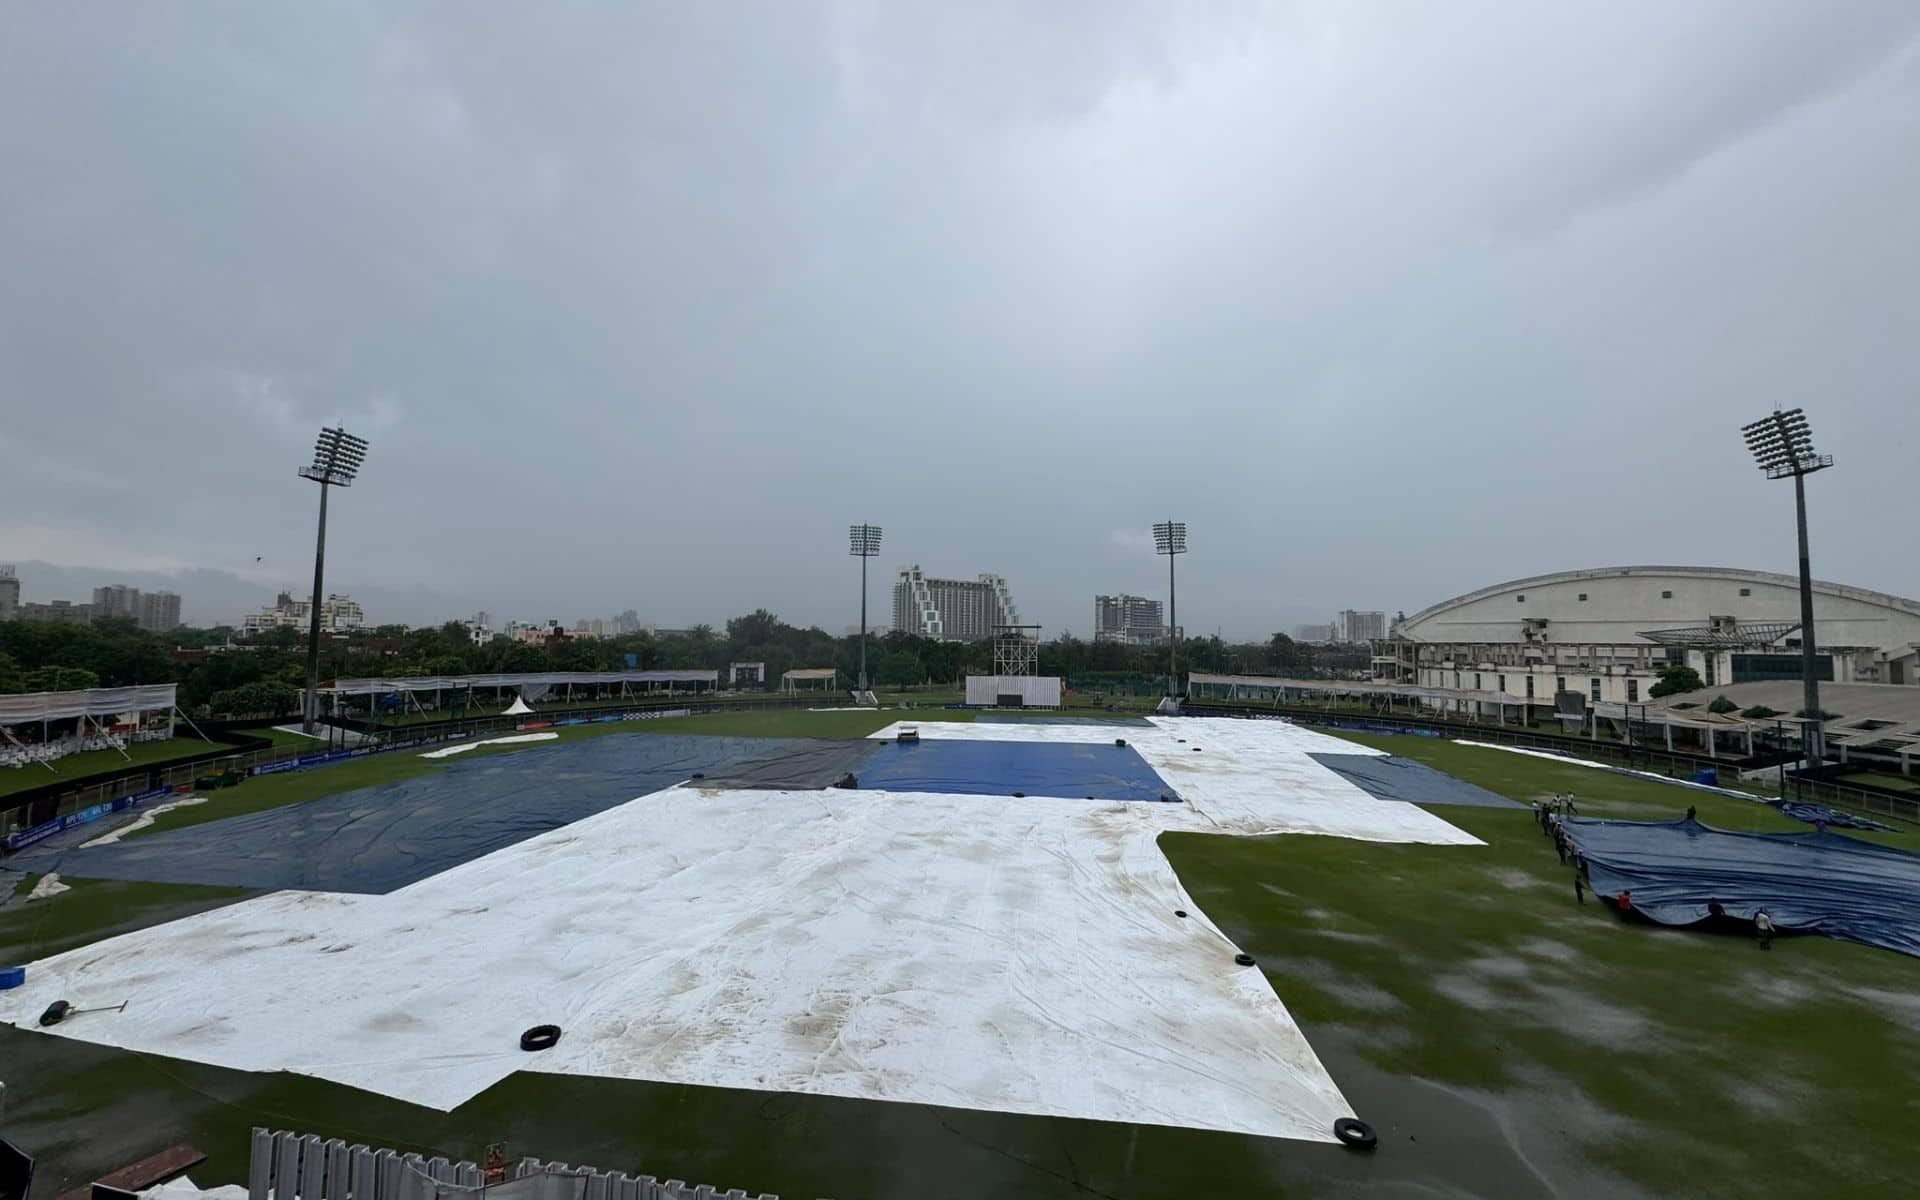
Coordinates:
<point>1502,1039</point>
<point>1553,1038</point>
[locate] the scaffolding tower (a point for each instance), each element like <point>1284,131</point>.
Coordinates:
<point>1016,649</point>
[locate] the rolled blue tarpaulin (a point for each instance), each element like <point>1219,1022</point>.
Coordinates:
<point>1807,882</point>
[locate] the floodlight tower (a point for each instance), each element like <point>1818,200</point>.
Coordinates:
<point>1782,445</point>
<point>337,455</point>
<point>863,543</point>
<point>1170,539</point>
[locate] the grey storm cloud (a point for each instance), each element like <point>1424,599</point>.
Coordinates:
<point>641,305</point>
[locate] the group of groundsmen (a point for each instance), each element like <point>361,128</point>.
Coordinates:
<point>1551,815</point>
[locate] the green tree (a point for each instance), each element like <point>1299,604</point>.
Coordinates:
<point>899,667</point>
<point>259,698</point>
<point>59,679</point>
<point>1288,656</point>
<point>1675,680</point>
<point>12,678</point>
<point>1721,705</point>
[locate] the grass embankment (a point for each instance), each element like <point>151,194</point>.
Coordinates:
<point>1885,779</point>
<point>140,754</point>
<point>1464,998</point>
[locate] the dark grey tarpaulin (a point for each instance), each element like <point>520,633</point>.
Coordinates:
<point>1391,778</point>
<point>376,839</point>
<point>1816,882</point>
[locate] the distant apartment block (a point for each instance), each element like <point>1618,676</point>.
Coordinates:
<point>157,611</point>
<point>160,611</point>
<point>1135,620</point>
<point>117,600</point>
<point>951,610</point>
<point>1351,626</point>
<point>338,614</point>
<point>1313,635</point>
<point>56,612</point>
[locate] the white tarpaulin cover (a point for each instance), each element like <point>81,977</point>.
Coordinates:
<point>1244,776</point>
<point>34,707</point>
<point>463,747</point>
<point>1015,955</point>
<point>442,683</point>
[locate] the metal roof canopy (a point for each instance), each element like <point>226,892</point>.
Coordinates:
<point>1612,710</point>
<point>436,683</point>
<point>33,707</point>
<point>1757,635</point>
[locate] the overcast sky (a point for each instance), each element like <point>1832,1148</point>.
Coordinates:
<point>641,305</point>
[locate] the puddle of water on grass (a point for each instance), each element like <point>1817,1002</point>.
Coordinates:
<point>1902,1008</point>
<point>1773,991</point>
<point>1347,935</point>
<point>1581,1014</point>
<point>1550,950</point>
<point>1467,990</point>
<point>1500,966</point>
<point>1444,1139</point>
<point>1349,989</point>
<point>1772,1102</point>
<point>1577,1011</point>
<point>1518,880</point>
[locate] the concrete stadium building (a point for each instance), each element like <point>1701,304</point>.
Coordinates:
<point>1607,634</point>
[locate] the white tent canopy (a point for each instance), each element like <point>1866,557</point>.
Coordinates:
<point>34,707</point>
<point>440,683</point>
<point>790,680</point>
<point>518,707</point>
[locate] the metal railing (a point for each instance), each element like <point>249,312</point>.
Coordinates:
<point>287,1166</point>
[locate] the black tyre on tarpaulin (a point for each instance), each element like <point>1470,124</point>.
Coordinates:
<point>16,1171</point>
<point>540,1037</point>
<point>1355,1134</point>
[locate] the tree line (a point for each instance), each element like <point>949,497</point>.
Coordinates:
<point>211,672</point>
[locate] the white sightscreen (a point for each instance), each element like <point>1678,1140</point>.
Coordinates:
<point>1035,691</point>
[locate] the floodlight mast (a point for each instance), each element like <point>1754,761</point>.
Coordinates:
<point>337,456</point>
<point>1782,446</point>
<point>864,543</point>
<point>1170,539</point>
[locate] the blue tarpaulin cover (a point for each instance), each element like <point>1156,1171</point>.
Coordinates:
<point>1814,882</point>
<point>1099,771</point>
<point>373,840</point>
<point>1800,810</point>
<point>1389,777</point>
